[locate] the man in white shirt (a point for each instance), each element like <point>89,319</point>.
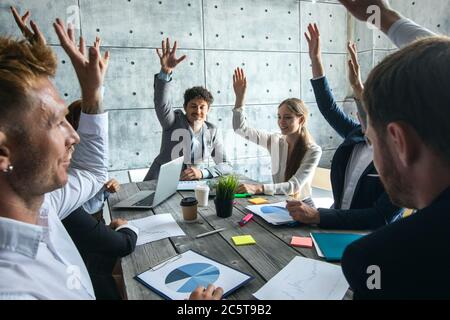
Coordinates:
<point>42,178</point>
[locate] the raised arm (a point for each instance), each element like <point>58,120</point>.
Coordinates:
<point>239,121</point>
<point>89,165</point>
<point>400,30</point>
<point>163,83</point>
<point>334,115</point>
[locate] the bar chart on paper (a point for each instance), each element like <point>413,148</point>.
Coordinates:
<point>186,278</point>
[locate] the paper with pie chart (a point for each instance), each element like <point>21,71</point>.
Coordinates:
<point>176,278</point>
<point>274,213</point>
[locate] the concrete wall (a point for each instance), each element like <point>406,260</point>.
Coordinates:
<point>262,36</point>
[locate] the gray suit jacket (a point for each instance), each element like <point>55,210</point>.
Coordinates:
<point>176,137</point>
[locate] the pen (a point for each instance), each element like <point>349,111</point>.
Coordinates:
<point>208,233</point>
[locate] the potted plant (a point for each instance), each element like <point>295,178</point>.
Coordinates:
<point>225,190</point>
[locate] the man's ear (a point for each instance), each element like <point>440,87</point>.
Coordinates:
<point>405,141</point>
<point>4,153</point>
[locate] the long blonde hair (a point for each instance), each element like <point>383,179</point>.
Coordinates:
<point>299,108</point>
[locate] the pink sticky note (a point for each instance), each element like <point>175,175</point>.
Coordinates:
<point>302,242</point>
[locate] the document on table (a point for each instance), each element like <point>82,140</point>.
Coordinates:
<point>156,227</point>
<point>305,279</point>
<point>187,185</point>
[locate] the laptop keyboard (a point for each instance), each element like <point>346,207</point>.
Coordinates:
<point>146,202</point>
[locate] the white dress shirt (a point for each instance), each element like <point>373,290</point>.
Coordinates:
<point>360,159</point>
<point>300,183</point>
<point>404,31</point>
<point>41,261</point>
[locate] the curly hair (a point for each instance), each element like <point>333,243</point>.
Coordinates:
<point>198,92</point>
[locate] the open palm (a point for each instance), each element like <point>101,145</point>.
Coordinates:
<point>313,39</point>
<point>90,71</point>
<point>168,57</point>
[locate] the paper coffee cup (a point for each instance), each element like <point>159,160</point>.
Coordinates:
<point>202,194</point>
<point>189,209</point>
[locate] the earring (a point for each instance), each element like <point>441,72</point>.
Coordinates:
<point>10,168</point>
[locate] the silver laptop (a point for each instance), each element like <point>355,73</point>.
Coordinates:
<point>168,178</point>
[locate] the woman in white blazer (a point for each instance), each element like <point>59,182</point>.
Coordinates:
<point>294,154</point>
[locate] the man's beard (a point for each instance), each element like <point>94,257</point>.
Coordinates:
<point>399,191</point>
<point>30,176</point>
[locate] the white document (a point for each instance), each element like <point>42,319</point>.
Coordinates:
<point>176,278</point>
<point>156,227</point>
<point>275,213</point>
<point>324,203</point>
<point>305,279</point>
<point>187,185</point>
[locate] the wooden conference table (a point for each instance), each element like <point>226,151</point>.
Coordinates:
<point>271,253</point>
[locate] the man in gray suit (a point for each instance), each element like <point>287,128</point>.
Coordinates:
<point>186,134</point>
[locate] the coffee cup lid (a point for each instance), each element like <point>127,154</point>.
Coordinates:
<point>190,201</point>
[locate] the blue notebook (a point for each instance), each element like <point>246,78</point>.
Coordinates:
<point>333,245</point>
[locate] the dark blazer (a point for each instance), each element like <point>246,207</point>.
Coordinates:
<point>100,247</point>
<point>174,123</point>
<point>412,255</point>
<point>371,207</point>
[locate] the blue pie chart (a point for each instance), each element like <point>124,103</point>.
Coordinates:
<point>274,210</point>
<point>186,278</point>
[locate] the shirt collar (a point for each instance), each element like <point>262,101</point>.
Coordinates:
<point>21,237</point>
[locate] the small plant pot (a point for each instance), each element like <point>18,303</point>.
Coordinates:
<point>224,208</point>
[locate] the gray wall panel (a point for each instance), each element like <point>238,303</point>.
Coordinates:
<point>143,23</point>
<point>43,12</point>
<point>129,81</point>
<point>271,76</point>
<point>332,21</point>
<point>252,25</point>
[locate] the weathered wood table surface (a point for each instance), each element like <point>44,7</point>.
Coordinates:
<point>267,257</point>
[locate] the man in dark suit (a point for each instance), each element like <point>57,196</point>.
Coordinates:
<point>360,201</point>
<point>407,98</point>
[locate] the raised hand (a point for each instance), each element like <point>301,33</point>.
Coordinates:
<point>90,71</point>
<point>168,57</point>
<point>354,71</point>
<point>361,10</point>
<point>34,36</point>
<point>239,86</point>
<point>313,39</point>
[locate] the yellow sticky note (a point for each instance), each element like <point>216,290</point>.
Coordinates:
<point>243,240</point>
<point>258,201</point>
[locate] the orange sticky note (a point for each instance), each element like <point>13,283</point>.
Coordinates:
<point>302,242</point>
<point>258,201</point>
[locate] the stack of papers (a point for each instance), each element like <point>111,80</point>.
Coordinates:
<point>305,279</point>
<point>156,227</point>
<point>275,213</point>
